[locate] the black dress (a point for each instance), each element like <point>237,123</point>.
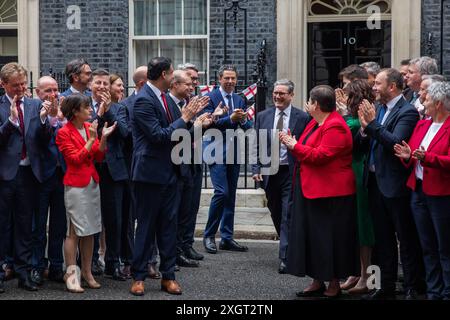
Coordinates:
<point>323,241</point>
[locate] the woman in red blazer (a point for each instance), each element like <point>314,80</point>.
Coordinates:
<point>323,231</point>
<point>430,183</point>
<point>79,145</point>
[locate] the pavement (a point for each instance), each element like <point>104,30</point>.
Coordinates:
<point>249,223</point>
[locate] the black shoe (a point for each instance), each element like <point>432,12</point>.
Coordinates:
<point>411,295</point>
<point>56,275</point>
<point>190,253</point>
<point>36,277</point>
<point>282,268</point>
<point>232,245</point>
<point>379,294</point>
<point>182,261</point>
<point>2,286</point>
<point>116,274</point>
<point>27,284</point>
<point>177,268</point>
<point>96,268</point>
<point>312,294</point>
<point>210,245</point>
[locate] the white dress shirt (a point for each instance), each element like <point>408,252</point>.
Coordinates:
<point>286,118</point>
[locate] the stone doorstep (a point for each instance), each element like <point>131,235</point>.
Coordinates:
<point>250,198</point>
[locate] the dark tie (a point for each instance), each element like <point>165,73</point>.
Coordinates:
<point>166,107</point>
<point>229,104</point>
<point>380,117</point>
<point>181,104</point>
<point>280,121</point>
<point>22,129</point>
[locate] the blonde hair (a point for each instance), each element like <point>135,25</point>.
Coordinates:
<point>11,69</point>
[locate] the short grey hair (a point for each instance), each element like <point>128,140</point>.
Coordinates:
<point>178,76</point>
<point>426,65</point>
<point>285,82</point>
<point>440,92</point>
<point>227,67</point>
<point>371,67</point>
<point>188,66</point>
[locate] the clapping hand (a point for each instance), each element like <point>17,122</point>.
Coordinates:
<point>195,105</point>
<point>45,110</point>
<point>107,131</point>
<point>403,151</point>
<point>419,154</point>
<point>220,111</point>
<point>204,121</point>
<point>287,139</point>
<point>13,110</point>
<point>93,130</point>
<point>366,113</point>
<point>341,96</point>
<point>105,103</point>
<point>238,115</point>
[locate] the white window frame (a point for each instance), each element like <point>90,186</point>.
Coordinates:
<point>134,38</point>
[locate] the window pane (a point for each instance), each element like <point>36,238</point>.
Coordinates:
<point>145,17</point>
<point>170,17</point>
<point>172,49</point>
<point>195,17</point>
<point>8,11</point>
<point>145,50</point>
<point>196,53</point>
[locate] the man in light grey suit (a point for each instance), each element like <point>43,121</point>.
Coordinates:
<point>282,117</point>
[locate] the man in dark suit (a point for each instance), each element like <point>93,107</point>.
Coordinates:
<point>179,93</point>
<point>79,74</point>
<point>113,170</point>
<point>224,176</point>
<point>392,122</point>
<point>282,117</point>
<point>51,197</point>
<point>24,134</point>
<point>153,174</point>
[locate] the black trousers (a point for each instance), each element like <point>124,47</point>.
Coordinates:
<point>393,219</point>
<point>278,193</point>
<point>18,202</point>
<point>111,194</point>
<point>155,210</point>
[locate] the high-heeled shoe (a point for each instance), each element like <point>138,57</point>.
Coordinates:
<point>92,284</point>
<point>72,279</point>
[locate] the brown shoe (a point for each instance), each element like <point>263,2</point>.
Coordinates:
<point>152,272</point>
<point>137,288</point>
<point>171,287</point>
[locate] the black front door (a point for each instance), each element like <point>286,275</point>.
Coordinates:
<point>334,45</point>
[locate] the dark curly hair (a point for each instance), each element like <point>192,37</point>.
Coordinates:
<point>357,91</point>
<point>73,103</point>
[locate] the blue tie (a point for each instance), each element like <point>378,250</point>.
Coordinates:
<point>229,104</point>
<point>380,117</point>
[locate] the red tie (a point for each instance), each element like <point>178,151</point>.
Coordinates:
<point>166,106</point>
<point>22,129</point>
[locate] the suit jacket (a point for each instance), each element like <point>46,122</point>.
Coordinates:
<point>390,173</point>
<point>128,103</point>
<point>264,121</point>
<point>152,133</point>
<point>79,161</point>
<point>223,123</point>
<point>51,156</point>
<point>436,165</point>
<point>326,159</point>
<point>115,158</point>
<point>37,137</point>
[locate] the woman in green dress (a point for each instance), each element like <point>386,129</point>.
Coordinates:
<point>356,92</point>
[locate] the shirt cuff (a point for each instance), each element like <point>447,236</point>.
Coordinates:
<point>361,131</point>
<point>43,120</point>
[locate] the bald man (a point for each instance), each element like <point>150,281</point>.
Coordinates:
<point>51,199</point>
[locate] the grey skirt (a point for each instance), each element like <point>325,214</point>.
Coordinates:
<point>83,209</point>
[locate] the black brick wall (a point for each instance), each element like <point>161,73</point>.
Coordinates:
<point>431,26</point>
<point>103,38</point>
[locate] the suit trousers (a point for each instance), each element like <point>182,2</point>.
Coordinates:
<point>432,217</point>
<point>111,193</point>
<point>51,201</point>
<point>278,193</point>
<point>224,178</point>
<point>128,224</point>
<point>391,217</point>
<point>20,196</point>
<point>155,209</point>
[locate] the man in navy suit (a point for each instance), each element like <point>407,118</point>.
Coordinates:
<point>153,174</point>
<point>389,199</point>
<point>51,198</point>
<point>24,134</point>
<point>224,176</point>
<point>79,74</point>
<point>282,117</point>
<point>113,170</point>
